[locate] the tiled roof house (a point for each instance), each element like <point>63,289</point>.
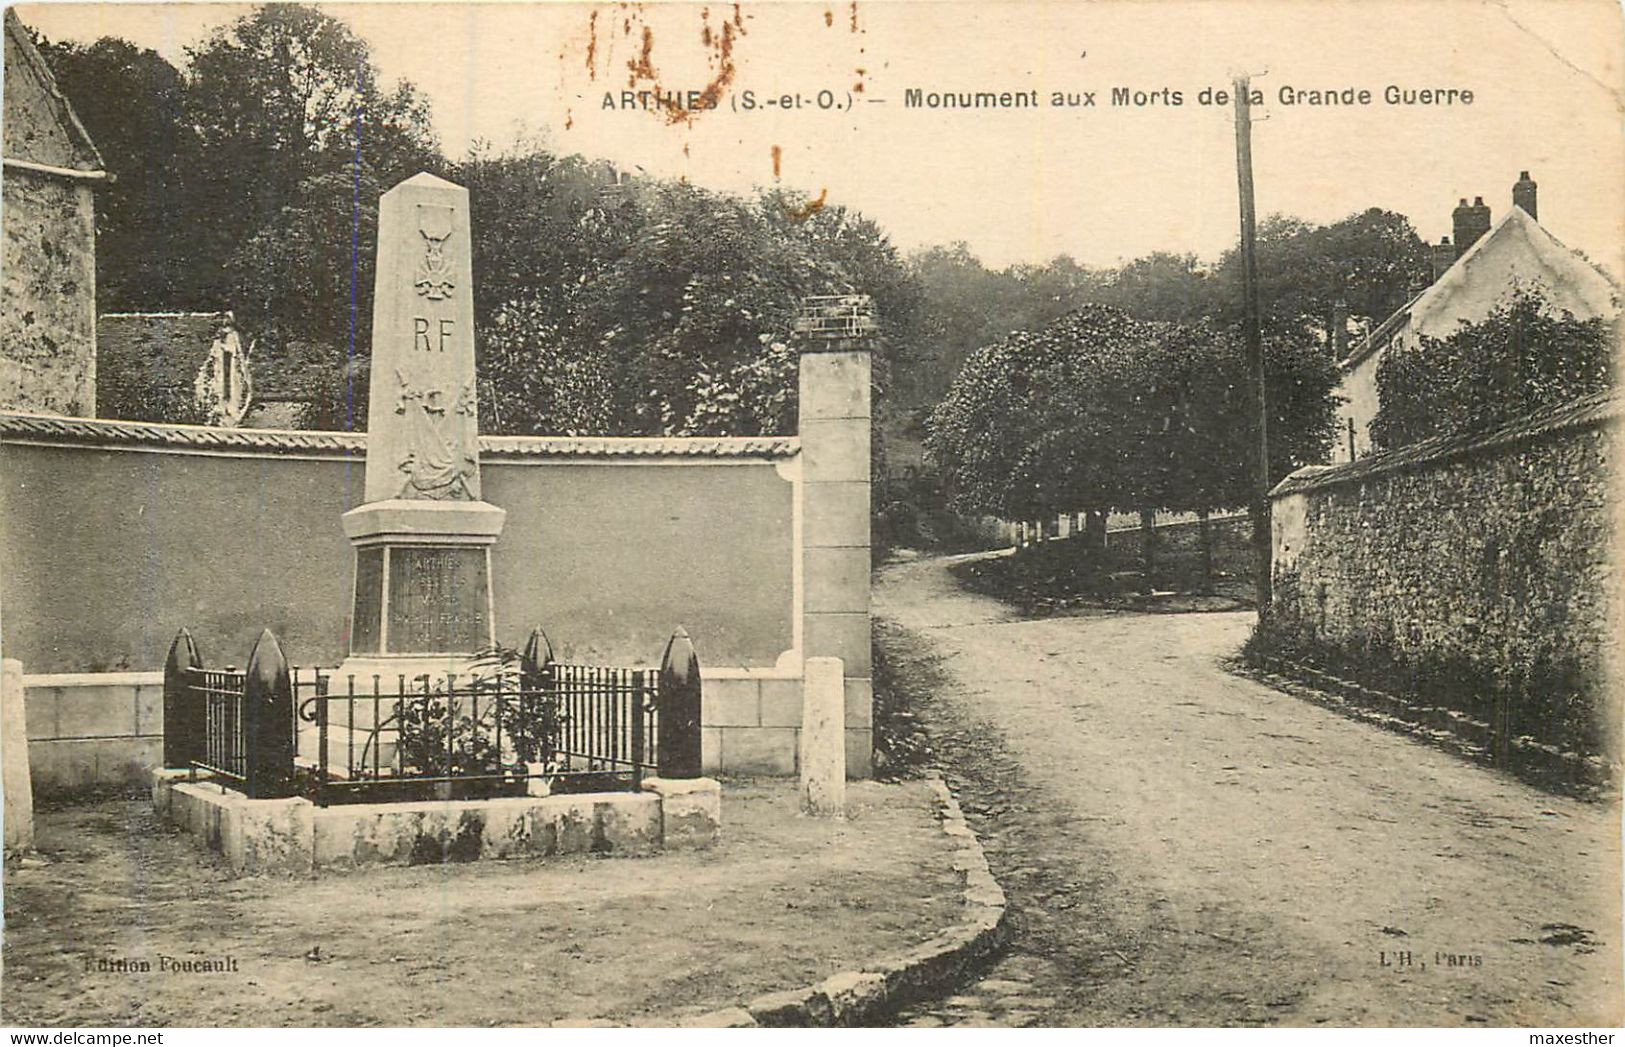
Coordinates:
<point>173,367</point>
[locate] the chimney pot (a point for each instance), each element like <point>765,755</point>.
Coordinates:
<point>1469,223</point>
<point>1524,196</point>
<point>1441,256</point>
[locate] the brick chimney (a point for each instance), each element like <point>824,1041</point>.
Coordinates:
<point>1442,255</point>
<point>1523,194</point>
<point>1471,222</point>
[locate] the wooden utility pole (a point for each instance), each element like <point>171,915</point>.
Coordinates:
<point>1260,507</point>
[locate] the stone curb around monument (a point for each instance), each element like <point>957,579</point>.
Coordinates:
<point>295,837</point>
<point>852,997</point>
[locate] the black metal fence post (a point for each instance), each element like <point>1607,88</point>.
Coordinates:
<point>538,654</point>
<point>322,685</point>
<point>677,748</point>
<point>535,669</point>
<point>183,712</point>
<point>268,727</point>
<point>639,720</point>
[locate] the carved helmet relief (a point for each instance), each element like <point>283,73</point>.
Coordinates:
<point>434,279</point>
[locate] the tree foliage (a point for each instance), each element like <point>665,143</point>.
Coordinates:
<point>250,180</point>
<point>643,306</point>
<point>130,100</point>
<point>1370,262</point>
<point>1365,264</point>
<point>1525,356</point>
<point>1099,411</point>
<point>281,99</point>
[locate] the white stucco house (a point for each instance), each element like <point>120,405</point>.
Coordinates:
<point>1492,260</point>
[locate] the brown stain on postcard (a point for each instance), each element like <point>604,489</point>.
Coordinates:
<point>717,37</point>
<point>642,67</point>
<point>808,209</point>
<point>592,46</point>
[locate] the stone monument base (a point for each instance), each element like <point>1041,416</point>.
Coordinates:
<point>392,669</point>
<point>422,589</point>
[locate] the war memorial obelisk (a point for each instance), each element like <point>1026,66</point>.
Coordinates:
<point>423,536</point>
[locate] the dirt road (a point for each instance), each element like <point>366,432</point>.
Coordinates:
<point>1186,847</point>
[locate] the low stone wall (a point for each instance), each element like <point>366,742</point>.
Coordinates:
<point>1475,570</point>
<point>93,731</point>
<point>89,732</point>
<point>295,837</point>
<point>753,725</point>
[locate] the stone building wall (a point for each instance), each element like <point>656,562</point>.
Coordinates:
<point>39,125</point>
<point>48,253</point>
<point>1466,568</point>
<point>47,295</point>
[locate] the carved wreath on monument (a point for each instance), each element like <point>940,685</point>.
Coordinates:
<point>440,462</point>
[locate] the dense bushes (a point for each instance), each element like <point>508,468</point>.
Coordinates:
<point>1523,358</point>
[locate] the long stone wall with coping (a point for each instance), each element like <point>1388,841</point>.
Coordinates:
<point>118,534</point>
<point>1477,569</point>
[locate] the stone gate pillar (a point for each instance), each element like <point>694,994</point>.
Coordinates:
<point>837,335</point>
<point>17,782</point>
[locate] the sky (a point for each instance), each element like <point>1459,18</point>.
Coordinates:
<point>1102,184</point>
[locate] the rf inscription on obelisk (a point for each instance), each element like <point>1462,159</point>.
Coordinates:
<point>437,405</point>
<point>423,536</point>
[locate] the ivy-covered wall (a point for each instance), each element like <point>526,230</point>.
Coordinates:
<point>1464,570</point>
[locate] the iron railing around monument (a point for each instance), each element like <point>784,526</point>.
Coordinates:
<point>225,746</point>
<point>519,724</point>
<point>554,727</point>
<point>235,726</point>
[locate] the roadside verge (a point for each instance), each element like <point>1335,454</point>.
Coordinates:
<point>855,997</point>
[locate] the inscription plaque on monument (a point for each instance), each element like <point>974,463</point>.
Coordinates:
<point>437,599</point>
<point>369,579</point>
